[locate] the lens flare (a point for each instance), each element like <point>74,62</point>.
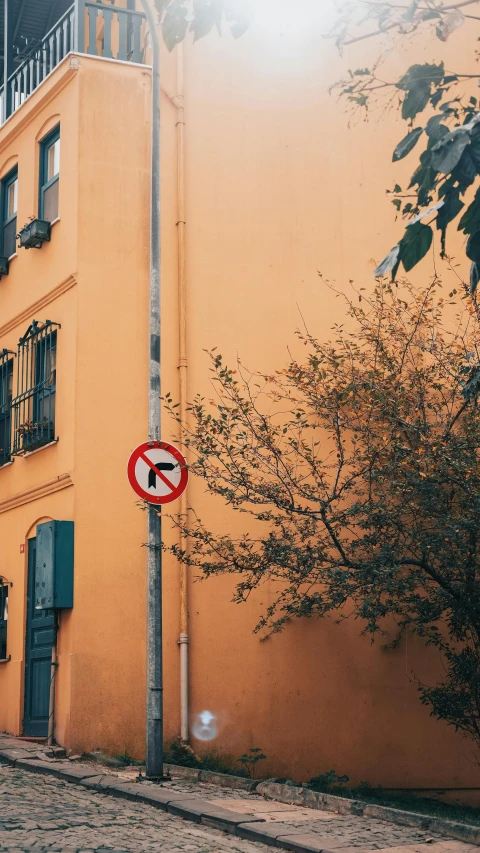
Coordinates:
<point>204,726</point>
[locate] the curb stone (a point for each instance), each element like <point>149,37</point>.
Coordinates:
<point>293,795</point>
<point>69,772</point>
<point>248,826</point>
<point>304,843</point>
<point>223,780</point>
<point>299,796</point>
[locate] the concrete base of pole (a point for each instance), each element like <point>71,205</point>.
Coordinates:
<point>157,780</point>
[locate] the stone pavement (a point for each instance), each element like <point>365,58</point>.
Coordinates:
<point>40,812</point>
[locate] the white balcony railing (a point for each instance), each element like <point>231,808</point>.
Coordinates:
<point>86,27</point>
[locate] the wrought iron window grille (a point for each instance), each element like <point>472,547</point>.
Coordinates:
<point>6,388</point>
<point>4,587</point>
<point>33,408</point>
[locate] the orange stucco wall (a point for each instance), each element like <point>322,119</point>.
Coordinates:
<point>280,185</point>
<point>277,188</point>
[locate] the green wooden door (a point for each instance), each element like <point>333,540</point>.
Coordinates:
<point>40,638</point>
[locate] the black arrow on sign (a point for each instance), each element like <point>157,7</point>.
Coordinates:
<point>160,466</point>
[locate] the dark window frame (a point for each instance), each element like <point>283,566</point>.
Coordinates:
<point>45,183</point>
<point>33,409</point>
<point>4,587</point>
<point>44,389</point>
<point>7,182</point>
<point>6,370</point>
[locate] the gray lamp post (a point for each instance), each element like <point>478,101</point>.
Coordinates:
<point>154,559</point>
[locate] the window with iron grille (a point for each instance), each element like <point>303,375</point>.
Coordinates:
<point>49,176</point>
<point>9,196</point>
<point>3,619</point>
<point>6,383</point>
<point>34,406</point>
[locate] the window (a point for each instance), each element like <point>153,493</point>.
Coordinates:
<point>9,214</point>
<point>45,383</point>
<point>6,382</point>
<point>49,176</point>
<point>34,406</point>
<point>3,619</point>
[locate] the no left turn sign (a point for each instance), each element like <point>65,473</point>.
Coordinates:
<point>157,472</point>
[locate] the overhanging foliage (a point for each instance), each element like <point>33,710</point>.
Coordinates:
<point>356,471</point>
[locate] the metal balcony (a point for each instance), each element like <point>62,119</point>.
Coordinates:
<point>38,35</point>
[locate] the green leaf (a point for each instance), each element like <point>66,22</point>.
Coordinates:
<point>450,210</point>
<point>205,15</point>
<point>449,23</point>
<point>175,23</point>
<point>388,262</point>
<point>416,100</point>
<point>465,171</point>
<point>435,129</point>
<point>474,151</point>
<point>415,244</point>
<point>474,277</point>
<point>437,97</point>
<point>361,100</point>
<point>452,207</point>
<point>394,271</point>
<point>470,221</point>
<point>429,14</point>
<point>447,152</point>
<point>407,144</point>
<point>421,73</point>
<point>424,176</point>
<point>238,15</point>
<point>473,247</point>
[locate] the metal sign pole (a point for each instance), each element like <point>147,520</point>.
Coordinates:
<point>154,768</point>
<point>154,762</point>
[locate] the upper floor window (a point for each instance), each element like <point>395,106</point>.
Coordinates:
<point>45,385</point>
<point>34,406</point>
<point>49,176</point>
<point>3,619</point>
<point>9,197</point>
<point>6,383</point>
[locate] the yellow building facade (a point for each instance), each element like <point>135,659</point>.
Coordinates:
<point>263,186</point>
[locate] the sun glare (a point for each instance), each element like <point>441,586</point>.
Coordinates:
<point>296,19</point>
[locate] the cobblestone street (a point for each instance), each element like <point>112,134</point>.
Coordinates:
<point>42,813</point>
<point>39,813</point>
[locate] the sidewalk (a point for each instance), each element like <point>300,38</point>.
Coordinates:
<point>245,814</point>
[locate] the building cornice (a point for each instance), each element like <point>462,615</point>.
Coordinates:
<point>49,88</point>
<point>63,481</point>
<point>32,309</point>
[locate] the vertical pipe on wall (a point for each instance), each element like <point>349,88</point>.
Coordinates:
<point>182,374</point>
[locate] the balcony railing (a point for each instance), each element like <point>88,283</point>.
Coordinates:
<point>86,27</point>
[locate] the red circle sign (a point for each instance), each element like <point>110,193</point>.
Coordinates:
<point>157,472</point>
